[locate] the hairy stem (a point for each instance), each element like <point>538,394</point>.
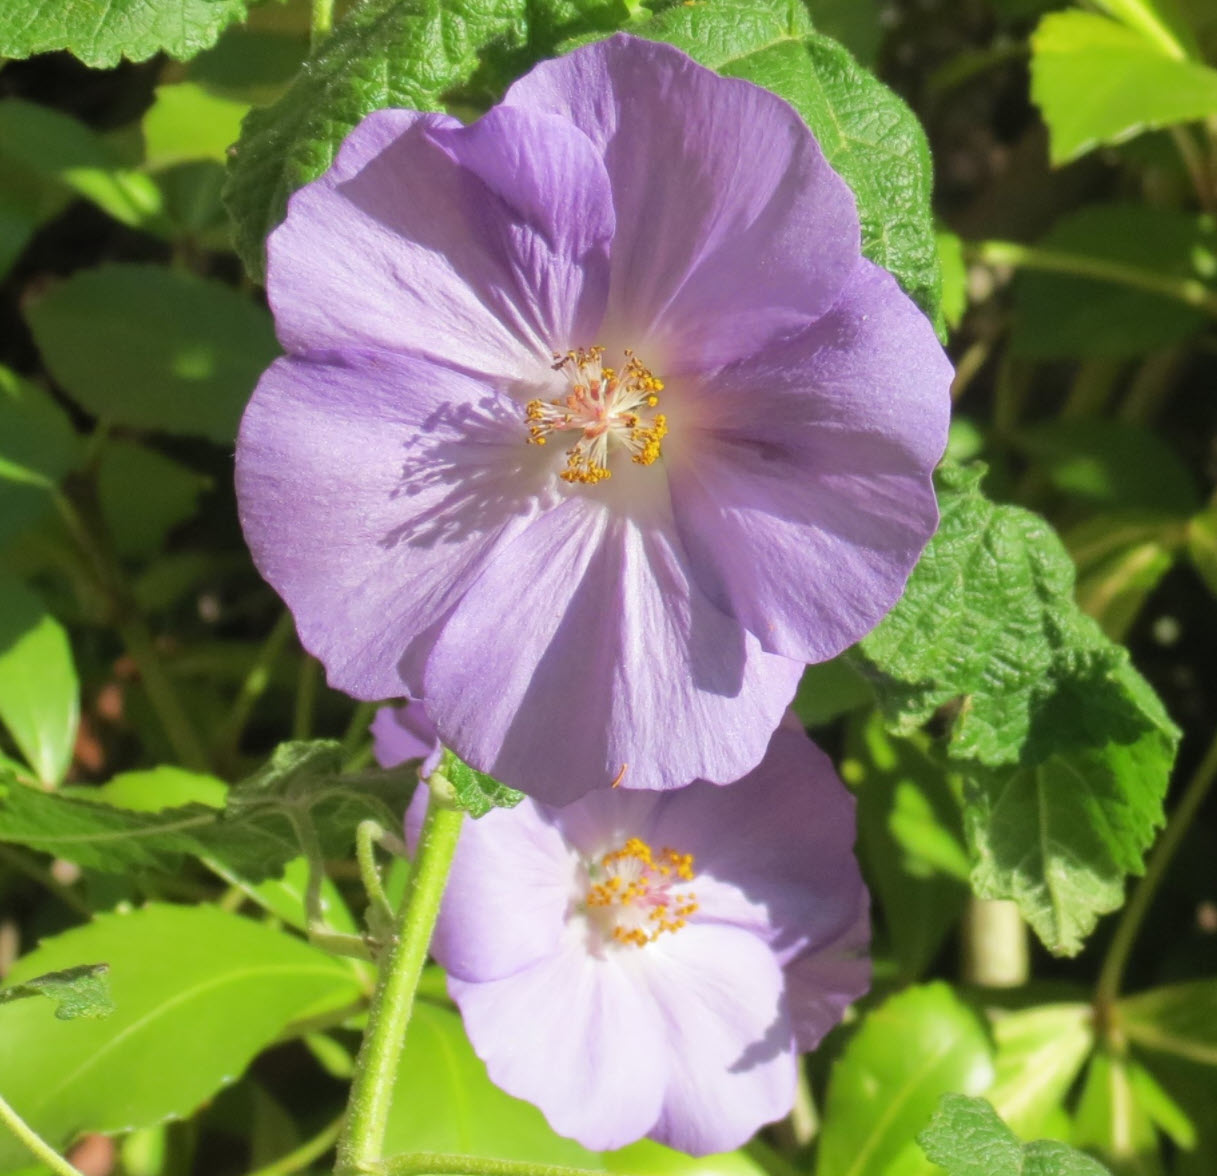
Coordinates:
<point>1112,973</point>
<point>37,1145</point>
<point>362,1142</point>
<point>1191,291</point>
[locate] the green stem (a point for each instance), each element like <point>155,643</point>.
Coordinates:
<point>1191,291</point>
<point>255,684</point>
<point>1112,973</point>
<point>27,1135</point>
<point>362,1142</point>
<point>305,1154</point>
<point>321,22</point>
<point>306,697</point>
<point>437,1164</point>
<point>367,836</point>
<point>357,728</point>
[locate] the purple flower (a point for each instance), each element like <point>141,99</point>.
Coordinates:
<point>652,963</point>
<point>404,733</point>
<point>594,425</point>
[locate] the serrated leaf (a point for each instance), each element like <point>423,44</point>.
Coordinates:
<point>868,134</point>
<point>82,991</point>
<point>914,1047</point>
<point>101,35</point>
<point>154,348</point>
<point>1099,81</point>
<point>967,1138</point>
<point>474,791</point>
<point>1179,1019</point>
<point>1061,316</point>
<point>197,994</point>
<point>254,837</point>
<point>39,691</point>
<point>1059,833</point>
<point>1065,748</point>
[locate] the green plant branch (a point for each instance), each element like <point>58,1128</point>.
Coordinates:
<point>1191,291</point>
<point>305,1154</point>
<point>254,684</point>
<point>438,1164</point>
<point>1111,974</point>
<point>321,21</point>
<point>362,1141</point>
<point>367,836</point>
<point>34,1142</point>
<point>136,636</point>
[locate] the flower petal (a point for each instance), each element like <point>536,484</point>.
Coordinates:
<point>773,852</point>
<point>420,238</point>
<point>511,884</point>
<point>729,1041</point>
<point>577,1035</point>
<point>401,733</point>
<point>804,493</point>
<point>610,659</point>
<point>710,259</point>
<point>371,488</point>
<point>823,983</point>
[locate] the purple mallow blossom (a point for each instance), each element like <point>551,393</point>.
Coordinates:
<point>594,426</point>
<point>653,963</point>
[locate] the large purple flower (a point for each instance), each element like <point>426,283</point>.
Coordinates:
<point>652,963</point>
<point>594,425</point>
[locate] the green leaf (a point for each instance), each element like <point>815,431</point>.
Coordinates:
<point>967,1138</point>
<point>1040,1052</point>
<point>1065,749</point>
<point>902,858</point>
<point>82,991</point>
<point>475,792</point>
<point>37,447</point>
<point>1112,1121</point>
<point>153,790</point>
<point>1121,557</point>
<point>1112,464</point>
<point>1098,81</point>
<point>913,1048</point>
<point>1059,316</point>
<point>1179,1019</point>
<point>51,146</point>
<point>648,1158</point>
<point>153,348</point>
<point>143,495</point>
<point>186,121</point>
<point>443,1101</point>
<point>197,994</point>
<point>100,36</point>
<point>954,277</point>
<point>254,837</point>
<point>39,692</point>
<point>830,689</point>
<point>868,134</point>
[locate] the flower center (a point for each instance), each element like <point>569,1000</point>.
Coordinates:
<point>605,408</point>
<point>632,896</point>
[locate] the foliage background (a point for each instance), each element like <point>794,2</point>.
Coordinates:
<point>1000,742</point>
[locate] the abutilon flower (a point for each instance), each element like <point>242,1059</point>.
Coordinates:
<point>647,963</point>
<point>594,425</point>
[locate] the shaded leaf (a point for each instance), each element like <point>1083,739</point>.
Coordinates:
<point>154,348</point>
<point>1179,1019</point>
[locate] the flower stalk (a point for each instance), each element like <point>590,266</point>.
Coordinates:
<point>362,1141</point>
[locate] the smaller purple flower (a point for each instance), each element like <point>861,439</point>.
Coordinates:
<point>651,964</point>
<point>405,733</point>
